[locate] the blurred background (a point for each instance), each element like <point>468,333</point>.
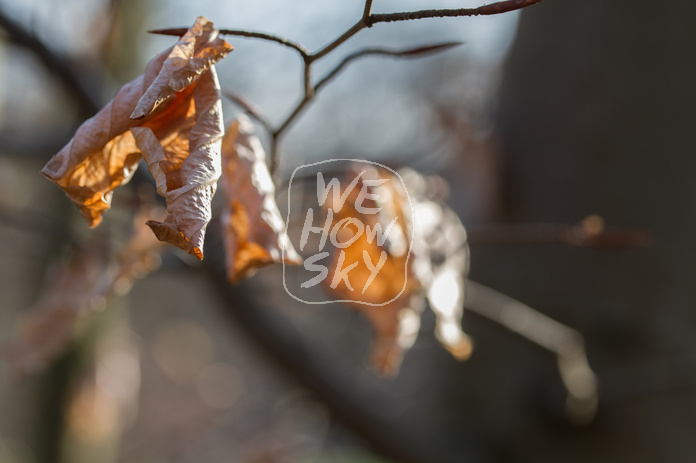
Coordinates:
<point>542,117</point>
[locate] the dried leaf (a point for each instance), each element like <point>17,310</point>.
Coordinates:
<point>103,154</point>
<point>436,269</point>
<point>393,219</point>
<point>195,53</point>
<point>441,260</point>
<point>396,320</point>
<point>186,166</point>
<point>253,229</point>
<point>75,288</point>
<point>395,328</point>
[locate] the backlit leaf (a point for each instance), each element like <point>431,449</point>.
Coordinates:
<point>435,271</point>
<point>395,318</point>
<point>186,165</point>
<point>195,53</point>
<point>253,229</point>
<point>183,116</point>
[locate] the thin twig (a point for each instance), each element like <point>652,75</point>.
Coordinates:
<point>485,10</point>
<point>357,27</point>
<point>251,109</point>
<point>410,53</point>
<point>179,31</point>
<point>367,10</point>
<point>368,19</point>
<point>590,232</point>
<point>568,344</point>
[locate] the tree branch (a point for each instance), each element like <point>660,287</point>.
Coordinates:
<point>251,109</point>
<point>590,232</point>
<point>59,66</point>
<point>410,53</point>
<point>246,306</point>
<point>367,10</point>
<point>485,10</point>
<point>179,31</point>
<point>568,344</point>
<point>367,20</point>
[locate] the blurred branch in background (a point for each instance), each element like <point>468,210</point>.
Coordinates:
<point>590,232</point>
<point>246,306</point>
<point>568,344</point>
<point>80,86</point>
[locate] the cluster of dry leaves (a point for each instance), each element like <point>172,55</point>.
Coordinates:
<point>171,118</point>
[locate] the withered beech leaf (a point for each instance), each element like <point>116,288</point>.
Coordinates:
<point>441,257</point>
<point>253,229</point>
<point>193,55</point>
<point>186,166</point>
<point>435,271</point>
<point>397,320</point>
<point>395,328</point>
<point>440,260</point>
<point>76,287</point>
<point>102,155</point>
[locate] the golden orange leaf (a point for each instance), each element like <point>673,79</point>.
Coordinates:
<point>253,229</point>
<point>435,270</point>
<point>392,290</point>
<point>186,166</point>
<point>195,53</point>
<point>103,153</point>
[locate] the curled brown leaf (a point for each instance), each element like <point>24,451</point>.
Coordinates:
<point>388,298</point>
<point>195,52</point>
<point>253,229</point>
<point>103,153</point>
<point>435,271</point>
<point>186,166</point>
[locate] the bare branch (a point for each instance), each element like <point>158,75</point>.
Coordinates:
<point>357,27</point>
<point>57,65</point>
<point>264,325</point>
<point>568,344</point>
<point>251,109</point>
<point>295,112</point>
<point>367,20</point>
<point>311,90</point>
<point>179,31</point>
<point>590,232</point>
<point>485,10</point>
<point>367,10</point>
<point>410,53</point>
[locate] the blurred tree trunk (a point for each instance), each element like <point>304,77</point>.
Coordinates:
<point>597,115</point>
